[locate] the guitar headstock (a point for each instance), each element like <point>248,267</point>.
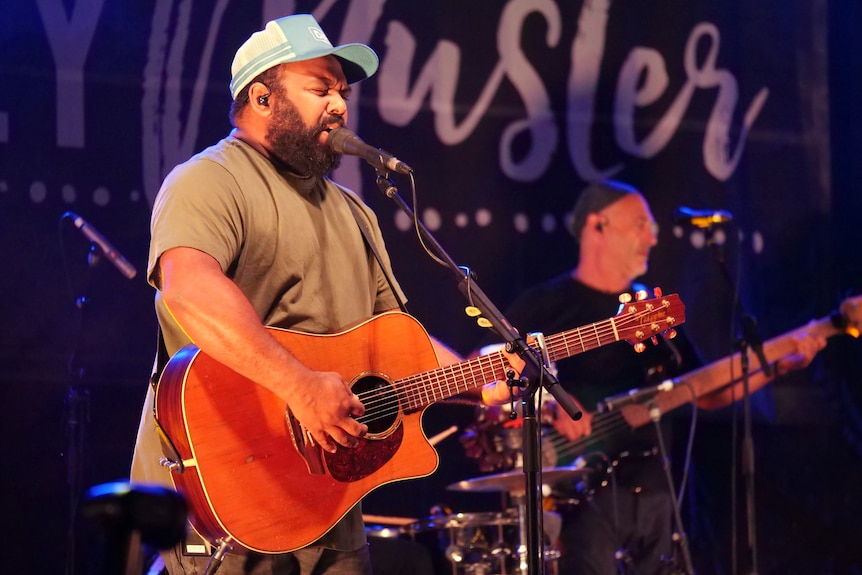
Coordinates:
<point>644,319</point>
<point>851,315</point>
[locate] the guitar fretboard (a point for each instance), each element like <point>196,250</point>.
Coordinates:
<point>637,321</point>
<point>426,388</point>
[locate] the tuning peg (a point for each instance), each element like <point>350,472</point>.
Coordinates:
<point>654,340</point>
<point>625,298</point>
<point>640,347</point>
<point>656,291</point>
<point>641,294</point>
<point>671,333</point>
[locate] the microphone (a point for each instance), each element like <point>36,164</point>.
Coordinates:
<point>110,251</point>
<point>344,141</point>
<point>636,395</point>
<point>700,218</point>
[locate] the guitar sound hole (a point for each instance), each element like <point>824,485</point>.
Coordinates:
<point>382,409</point>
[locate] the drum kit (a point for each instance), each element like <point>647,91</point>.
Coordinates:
<point>484,543</point>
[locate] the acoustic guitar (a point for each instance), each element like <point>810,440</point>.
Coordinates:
<point>254,480</point>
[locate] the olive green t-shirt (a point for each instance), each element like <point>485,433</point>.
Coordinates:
<point>292,245</point>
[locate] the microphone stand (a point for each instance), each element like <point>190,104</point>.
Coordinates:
<point>748,339</point>
<point>537,373</point>
<point>77,413</point>
<point>679,537</point>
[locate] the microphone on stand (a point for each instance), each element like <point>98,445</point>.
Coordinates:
<point>344,141</point>
<point>700,218</point>
<point>636,395</point>
<point>110,251</point>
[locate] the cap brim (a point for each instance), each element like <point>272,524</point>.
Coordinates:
<point>358,61</point>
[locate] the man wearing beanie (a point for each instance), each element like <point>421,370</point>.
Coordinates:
<point>615,231</point>
<point>619,520</point>
<point>251,233</point>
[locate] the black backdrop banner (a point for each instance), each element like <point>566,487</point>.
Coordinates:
<point>504,109</point>
<point>504,118</point>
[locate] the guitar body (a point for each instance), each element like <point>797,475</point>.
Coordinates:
<point>244,477</point>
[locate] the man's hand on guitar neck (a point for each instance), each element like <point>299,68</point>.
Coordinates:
<point>808,345</point>
<point>568,427</point>
<point>496,393</point>
<point>499,392</point>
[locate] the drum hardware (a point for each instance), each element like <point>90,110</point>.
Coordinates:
<point>386,525</point>
<point>513,481</point>
<point>483,543</point>
<point>479,543</point>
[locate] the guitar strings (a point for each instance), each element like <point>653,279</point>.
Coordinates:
<point>408,387</point>
<point>386,405</point>
<point>604,424</point>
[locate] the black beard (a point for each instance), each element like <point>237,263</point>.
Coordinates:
<point>299,147</point>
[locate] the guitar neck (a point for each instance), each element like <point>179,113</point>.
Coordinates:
<point>725,372</point>
<point>423,389</point>
<point>690,386</point>
<point>582,339</point>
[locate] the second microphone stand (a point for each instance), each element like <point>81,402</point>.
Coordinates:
<point>680,538</point>
<point>77,413</point>
<point>536,372</point>
<point>748,339</point>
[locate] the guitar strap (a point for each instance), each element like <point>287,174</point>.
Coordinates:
<point>369,241</point>
<point>161,359</point>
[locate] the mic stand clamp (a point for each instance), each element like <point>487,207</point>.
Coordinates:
<point>536,372</point>
<point>513,382</point>
<point>751,339</point>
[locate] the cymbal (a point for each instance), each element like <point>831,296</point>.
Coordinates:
<point>514,481</point>
<point>387,519</point>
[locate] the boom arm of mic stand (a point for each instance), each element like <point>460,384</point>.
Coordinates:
<point>477,298</point>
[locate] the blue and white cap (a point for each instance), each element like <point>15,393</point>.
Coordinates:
<point>294,39</point>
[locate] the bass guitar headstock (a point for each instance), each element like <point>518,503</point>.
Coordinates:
<point>850,316</point>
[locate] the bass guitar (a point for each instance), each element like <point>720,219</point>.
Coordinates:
<point>252,479</point>
<point>709,385</point>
